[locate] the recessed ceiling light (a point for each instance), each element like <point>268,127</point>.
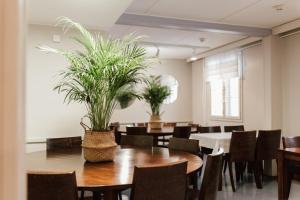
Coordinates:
<point>193,58</point>
<point>202,39</point>
<point>278,7</point>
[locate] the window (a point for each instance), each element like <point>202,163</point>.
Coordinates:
<point>173,85</point>
<point>223,78</point>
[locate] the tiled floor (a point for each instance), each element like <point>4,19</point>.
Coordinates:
<point>247,190</point>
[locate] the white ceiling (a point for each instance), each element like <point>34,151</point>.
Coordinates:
<point>102,15</point>
<point>96,14</point>
<point>257,13</point>
<point>176,37</point>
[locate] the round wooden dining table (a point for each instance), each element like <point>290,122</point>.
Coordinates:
<point>155,133</point>
<point>165,131</point>
<point>107,176</point>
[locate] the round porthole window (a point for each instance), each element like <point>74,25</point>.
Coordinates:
<point>173,85</point>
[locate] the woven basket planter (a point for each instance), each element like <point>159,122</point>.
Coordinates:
<point>99,146</point>
<point>155,122</point>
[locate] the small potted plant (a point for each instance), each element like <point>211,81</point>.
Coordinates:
<point>97,75</point>
<point>154,94</point>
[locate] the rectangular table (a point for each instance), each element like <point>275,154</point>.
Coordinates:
<point>213,140</point>
<point>286,159</point>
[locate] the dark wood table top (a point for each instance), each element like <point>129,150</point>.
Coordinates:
<point>285,169</point>
<point>292,150</point>
<point>107,175</point>
<point>157,132</point>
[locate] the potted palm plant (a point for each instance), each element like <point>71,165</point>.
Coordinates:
<point>97,75</point>
<point>154,94</point>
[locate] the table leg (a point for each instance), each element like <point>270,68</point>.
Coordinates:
<point>283,190</point>
<point>96,195</point>
<point>155,141</point>
<point>110,195</point>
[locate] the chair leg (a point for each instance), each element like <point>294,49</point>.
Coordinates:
<point>221,176</point>
<point>81,194</point>
<point>257,175</point>
<point>231,175</point>
<point>262,171</point>
<point>120,195</point>
<point>237,171</point>
<point>225,166</point>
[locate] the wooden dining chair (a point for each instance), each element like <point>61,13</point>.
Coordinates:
<point>169,124</point>
<point>135,130</point>
<point>209,129</point>
<point>115,128</point>
<point>182,131</point>
<point>136,141</point>
<point>51,186</point>
<point>182,144</point>
<point>160,182</point>
<point>291,142</point>
<point>164,140</point>
<point>234,128</point>
<point>141,124</point>
<point>241,150</point>
<point>189,146</point>
<point>210,179</point>
<point>267,145</point>
<point>63,143</point>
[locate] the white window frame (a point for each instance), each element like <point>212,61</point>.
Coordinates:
<point>224,117</point>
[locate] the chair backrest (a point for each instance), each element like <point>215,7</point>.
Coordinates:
<point>63,143</point>
<point>291,142</point>
<point>242,146</point>
<point>182,131</point>
<point>141,124</point>
<point>169,124</point>
<point>182,144</point>
<point>211,176</point>
<point>51,186</point>
<point>135,130</point>
<point>136,141</point>
<point>115,128</point>
<point>193,125</point>
<point>267,144</point>
<point>234,128</point>
<point>160,182</point>
<point>209,129</point>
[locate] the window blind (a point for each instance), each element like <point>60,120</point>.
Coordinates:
<point>223,66</point>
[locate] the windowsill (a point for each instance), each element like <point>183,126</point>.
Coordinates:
<point>227,119</point>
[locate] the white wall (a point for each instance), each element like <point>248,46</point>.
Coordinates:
<point>48,116</point>
<point>180,110</point>
<point>253,92</point>
<point>291,84</point>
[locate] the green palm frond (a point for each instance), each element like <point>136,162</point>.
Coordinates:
<point>155,93</point>
<point>99,73</point>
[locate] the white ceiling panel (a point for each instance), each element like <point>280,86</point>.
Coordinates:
<point>141,6</point>
<point>257,13</point>
<point>170,53</point>
<point>96,14</point>
<point>176,37</point>
<point>263,14</point>
<point>202,10</point>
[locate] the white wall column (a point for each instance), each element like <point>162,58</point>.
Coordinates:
<point>273,89</point>
<point>12,174</point>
